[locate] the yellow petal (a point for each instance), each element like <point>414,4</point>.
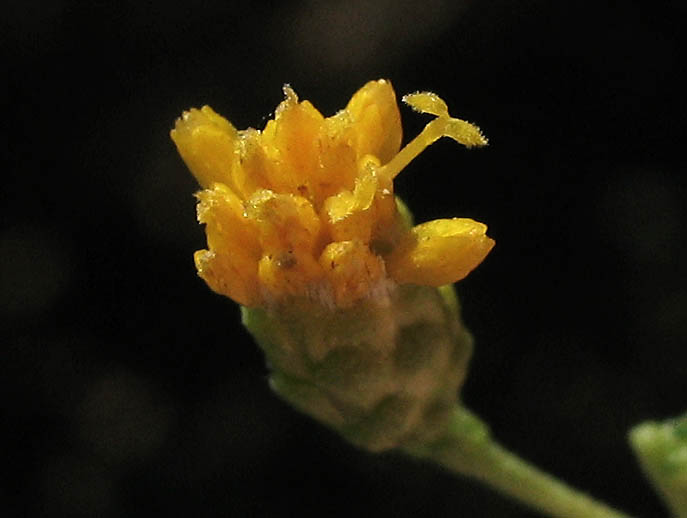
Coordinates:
<point>376,121</point>
<point>384,207</point>
<point>226,225</point>
<point>338,160</point>
<point>227,277</point>
<point>352,270</point>
<point>230,266</point>
<point>287,273</point>
<point>439,252</point>
<point>292,140</point>
<point>351,215</point>
<point>254,169</point>
<point>286,222</point>
<point>207,143</point>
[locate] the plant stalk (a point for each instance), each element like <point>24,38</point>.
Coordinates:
<point>468,449</point>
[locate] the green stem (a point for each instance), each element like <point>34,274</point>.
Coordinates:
<point>468,449</point>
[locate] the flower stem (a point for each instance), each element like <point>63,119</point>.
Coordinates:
<point>467,448</point>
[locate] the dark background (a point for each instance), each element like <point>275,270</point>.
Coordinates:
<point>129,389</point>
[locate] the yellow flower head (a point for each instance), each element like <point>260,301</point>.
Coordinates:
<point>306,206</point>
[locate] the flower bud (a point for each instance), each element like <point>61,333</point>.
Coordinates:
<point>339,288</point>
<point>662,452</point>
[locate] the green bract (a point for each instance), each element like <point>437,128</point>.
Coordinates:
<point>384,373</point>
